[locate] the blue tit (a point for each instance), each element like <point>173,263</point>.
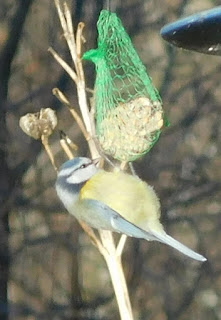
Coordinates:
<point>114,201</point>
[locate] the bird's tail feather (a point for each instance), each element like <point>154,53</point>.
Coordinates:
<point>165,238</point>
<point>122,225</point>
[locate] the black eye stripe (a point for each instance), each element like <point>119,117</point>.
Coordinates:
<point>83,166</point>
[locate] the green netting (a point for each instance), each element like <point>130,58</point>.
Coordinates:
<point>129,112</point>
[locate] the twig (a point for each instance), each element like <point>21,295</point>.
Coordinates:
<point>93,237</point>
<point>117,275</point>
<point>75,115</point>
<point>81,89</point>
<point>106,246</point>
<point>132,169</point>
<point>70,143</point>
<point>121,244</point>
<point>78,76</point>
<point>123,165</point>
<point>47,147</point>
<point>65,146</point>
<point>64,64</point>
<point>69,35</point>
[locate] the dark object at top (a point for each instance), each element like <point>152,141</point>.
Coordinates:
<point>200,32</point>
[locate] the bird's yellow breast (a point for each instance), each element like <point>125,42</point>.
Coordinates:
<point>131,197</point>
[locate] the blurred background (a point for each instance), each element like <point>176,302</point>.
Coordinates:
<point>48,267</point>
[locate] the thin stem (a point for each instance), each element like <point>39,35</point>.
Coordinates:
<point>71,144</point>
<point>47,147</point>
<point>93,237</point>
<point>123,165</point>
<point>106,246</point>
<point>121,244</point>
<point>66,148</point>
<point>117,275</point>
<point>69,35</point>
<point>64,64</point>
<point>75,115</point>
<point>81,89</point>
<point>132,169</point>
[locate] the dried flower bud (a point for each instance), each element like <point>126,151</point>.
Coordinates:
<point>39,124</point>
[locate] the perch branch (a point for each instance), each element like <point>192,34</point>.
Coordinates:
<point>106,246</point>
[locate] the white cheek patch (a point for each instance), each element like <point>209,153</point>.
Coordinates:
<point>74,179</point>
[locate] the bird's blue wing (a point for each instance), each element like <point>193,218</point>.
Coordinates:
<point>102,216</point>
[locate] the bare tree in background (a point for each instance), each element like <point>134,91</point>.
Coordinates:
<point>8,178</point>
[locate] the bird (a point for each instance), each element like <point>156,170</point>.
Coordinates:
<point>116,201</point>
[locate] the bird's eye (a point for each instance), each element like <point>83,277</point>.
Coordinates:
<point>83,166</point>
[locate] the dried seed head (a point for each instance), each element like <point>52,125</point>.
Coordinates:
<point>39,124</point>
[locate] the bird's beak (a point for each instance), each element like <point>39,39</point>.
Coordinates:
<point>96,162</point>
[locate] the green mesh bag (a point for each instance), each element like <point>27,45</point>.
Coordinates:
<point>129,114</point>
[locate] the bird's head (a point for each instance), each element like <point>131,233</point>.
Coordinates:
<point>77,171</point>
<point>72,176</point>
